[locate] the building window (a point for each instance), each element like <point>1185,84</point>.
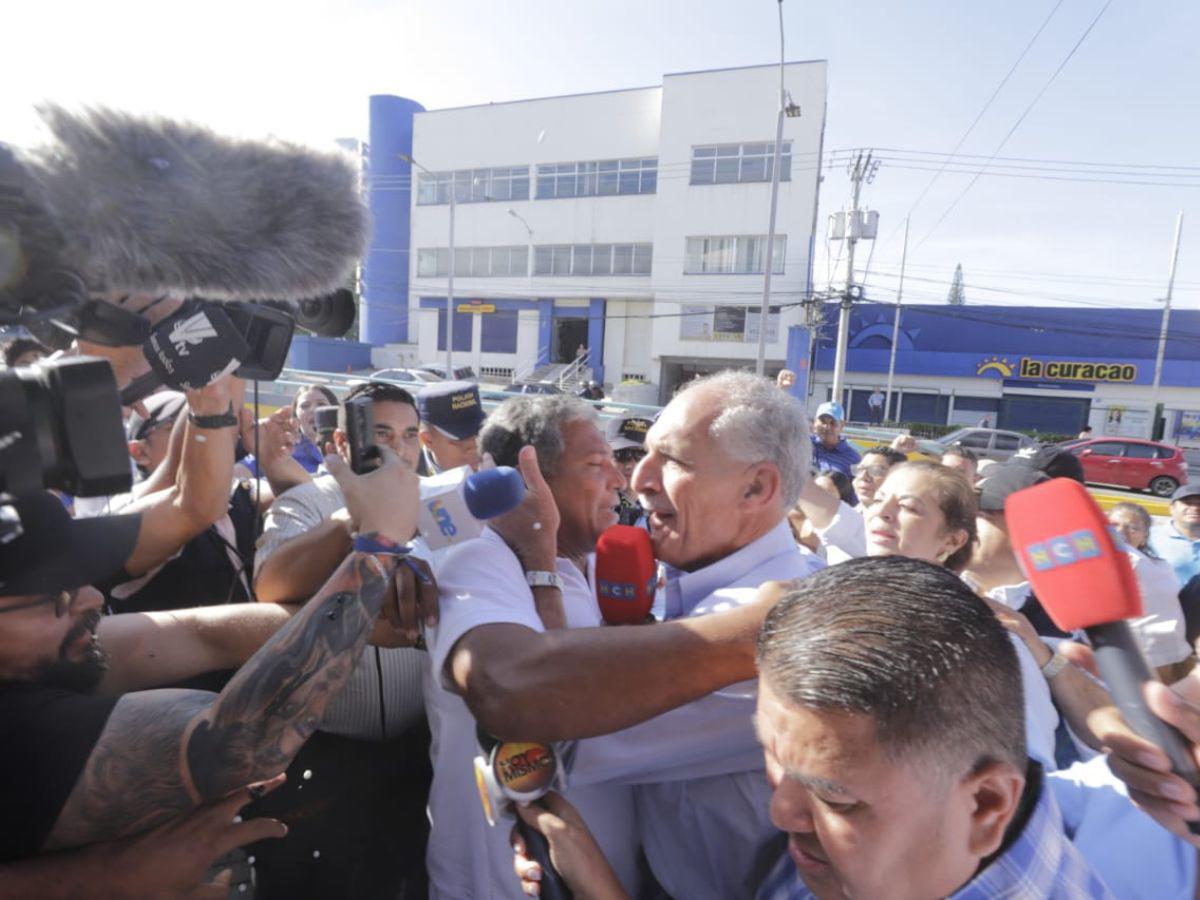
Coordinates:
<point>744,254</point>
<point>472,262</point>
<point>473,185</point>
<point>739,163</point>
<point>499,331</point>
<point>606,177</point>
<point>592,259</point>
<point>736,324</point>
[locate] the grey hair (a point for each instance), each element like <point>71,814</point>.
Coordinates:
<point>760,423</point>
<point>537,421</point>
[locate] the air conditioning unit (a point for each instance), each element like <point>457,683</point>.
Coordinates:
<point>861,225</point>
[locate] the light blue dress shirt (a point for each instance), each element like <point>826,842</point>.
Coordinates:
<point>1179,550</point>
<point>702,795</point>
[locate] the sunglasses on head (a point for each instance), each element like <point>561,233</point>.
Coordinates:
<point>628,454</point>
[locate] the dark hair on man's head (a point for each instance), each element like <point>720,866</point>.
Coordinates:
<point>534,420</point>
<point>956,499</point>
<point>908,644</point>
<point>382,392</point>
<point>894,457</point>
<point>330,397</point>
<point>841,481</point>
<point>18,347</point>
<point>1143,517</point>
<point>962,450</point>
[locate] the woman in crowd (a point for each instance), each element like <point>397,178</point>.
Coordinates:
<point>923,510</point>
<point>1161,632</point>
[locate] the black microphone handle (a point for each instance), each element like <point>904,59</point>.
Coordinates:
<point>538,849</point>
<point>140,388</point>
<point>1124,670</point>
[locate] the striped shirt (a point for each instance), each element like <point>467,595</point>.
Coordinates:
<point>1040,863</point>
<point>355,712</point>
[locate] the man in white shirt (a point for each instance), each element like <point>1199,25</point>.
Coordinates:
<point>725,460</point>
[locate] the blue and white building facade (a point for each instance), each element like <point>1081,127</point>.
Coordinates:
<point>631,222</point>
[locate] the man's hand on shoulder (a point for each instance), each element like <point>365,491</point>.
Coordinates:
<point>531,530</point>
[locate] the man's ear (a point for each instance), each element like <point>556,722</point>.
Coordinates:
<point>137,451</point>
<point>426,437</point>
<point>994,791</point>
<point>762,485</point>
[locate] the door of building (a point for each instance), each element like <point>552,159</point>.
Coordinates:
<point>569,334</point>
<point>1052,415</point>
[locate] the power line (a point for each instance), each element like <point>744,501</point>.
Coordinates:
<point>1021,118</point>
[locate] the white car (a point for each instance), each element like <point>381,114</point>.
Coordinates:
<point>404,376</point>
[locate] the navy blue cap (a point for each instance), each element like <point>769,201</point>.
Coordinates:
<point>1184,491</point>
<point>452,407</point>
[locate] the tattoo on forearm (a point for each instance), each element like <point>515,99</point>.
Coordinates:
<point>272,706</point>
<point>161,751</point>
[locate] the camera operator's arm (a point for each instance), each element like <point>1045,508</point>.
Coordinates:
<point>167,862</point>
<point>200,494</point>
<point>163,751</point>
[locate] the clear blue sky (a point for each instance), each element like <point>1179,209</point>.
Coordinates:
<point>908,75</point>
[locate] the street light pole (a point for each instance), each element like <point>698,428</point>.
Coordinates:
<point>449,272</point>
<point>764,311</point>
<point>1162,332</point>
<point>887,400</point>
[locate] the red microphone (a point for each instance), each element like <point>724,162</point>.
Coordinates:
<point>626,575</point>
<point>1063,544</point>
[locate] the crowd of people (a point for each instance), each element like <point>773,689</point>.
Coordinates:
<point>847,686</point>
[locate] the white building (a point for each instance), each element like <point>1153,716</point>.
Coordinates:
<point>631,222</point>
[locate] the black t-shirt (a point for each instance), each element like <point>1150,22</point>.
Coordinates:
<point>48,735</point>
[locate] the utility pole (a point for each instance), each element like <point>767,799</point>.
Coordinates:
<point>1162,332</point>
<point>862,169</point>
<point>792,111</point>
<point>887,400</point>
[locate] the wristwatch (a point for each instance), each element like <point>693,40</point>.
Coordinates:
<point>1054,665</point>
<point>544,579</point>
<point>226,419</point>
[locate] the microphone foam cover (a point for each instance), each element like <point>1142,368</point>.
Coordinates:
<point>626,575</point>
<point>493,492</point>
<point>1063,545</point>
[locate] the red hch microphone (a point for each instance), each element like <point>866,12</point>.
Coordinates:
<point>626,575</point>
<point>1063,544</point>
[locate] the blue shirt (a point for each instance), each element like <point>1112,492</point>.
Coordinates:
<point>840,457</point>
<point>702,795</point>
<point>305,452</point>
<point>1179,550</point>
<point>1040,863</point>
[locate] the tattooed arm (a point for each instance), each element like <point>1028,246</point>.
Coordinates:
<point>164,751</point>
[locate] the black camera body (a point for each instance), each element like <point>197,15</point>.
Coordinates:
<point>60,427</point>
<point>325,420</point>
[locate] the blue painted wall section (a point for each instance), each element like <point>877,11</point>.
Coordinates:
<point>322,354</point>
<point>992,341</point>
<point>799,347</point>
<point>596,309</point>
<point>384,314</point>
<point>545,329</point>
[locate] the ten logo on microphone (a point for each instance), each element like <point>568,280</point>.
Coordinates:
<point>1063,550</point>
<point>442,516</point>
<point>191,331</point>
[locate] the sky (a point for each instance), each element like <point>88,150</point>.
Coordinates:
<point>905,79</point>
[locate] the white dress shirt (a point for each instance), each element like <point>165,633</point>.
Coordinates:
<point>482,583</point>
<point>702,796</point>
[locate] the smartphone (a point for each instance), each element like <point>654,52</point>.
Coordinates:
<point>325,420</point>
<point>360,432</point>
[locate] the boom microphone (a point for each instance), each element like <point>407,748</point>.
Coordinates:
<point>1064,547</point>
<point>144,205</point>
<point>626,575</point>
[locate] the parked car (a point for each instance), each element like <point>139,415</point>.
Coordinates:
<point>461,373</point>
<point>533,387</point>
<point>412,376</point>
<point>989,443</point>
<point>1132,463</point>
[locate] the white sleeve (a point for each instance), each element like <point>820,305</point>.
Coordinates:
<point>847,531</point>
<point>292,513</point>
<point>480,582</point>
<point>710,736</point>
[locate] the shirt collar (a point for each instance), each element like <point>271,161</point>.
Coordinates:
<point>695,586</point>
<point>1176,535</point>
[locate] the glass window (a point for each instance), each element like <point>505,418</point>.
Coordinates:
<point>1164,453</point>
<point>581,259</point>
<point>542,259</point>
<point>1006,442</point>
<point>607,180</point>
<point>975,439</point>
<point>744,254</point>
<point>1140,451</point>
<point>561,261</point>
<point>602,259</point>
<point>499,331</point>
<point>1106,448</point>
<point>427,263</point>
<point>622,259</point>
<point>642,255</point>
<point>730,163</point>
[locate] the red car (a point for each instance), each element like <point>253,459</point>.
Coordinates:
<point>1132,463</point>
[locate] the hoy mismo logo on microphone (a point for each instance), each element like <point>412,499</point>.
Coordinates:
<point>190,332</point>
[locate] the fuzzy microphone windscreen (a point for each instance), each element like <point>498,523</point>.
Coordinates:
<point>152,206</point>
